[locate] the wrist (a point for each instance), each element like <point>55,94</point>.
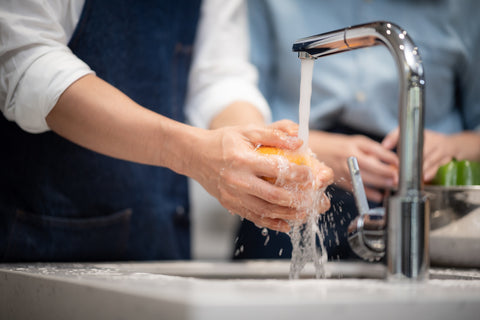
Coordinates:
<point>178,146</point>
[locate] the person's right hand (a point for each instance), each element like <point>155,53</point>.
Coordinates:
<point>230,169</point>
<point>378,165</point>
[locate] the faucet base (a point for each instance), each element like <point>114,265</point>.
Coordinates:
<point>407,236</point>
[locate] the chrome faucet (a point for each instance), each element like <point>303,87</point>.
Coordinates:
<point>403,230</point>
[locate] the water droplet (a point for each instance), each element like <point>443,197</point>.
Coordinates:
<point>266,240</point>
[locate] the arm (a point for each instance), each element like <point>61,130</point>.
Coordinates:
<point>48,87</point>
<point>222,160</point>
<point>36,65</point>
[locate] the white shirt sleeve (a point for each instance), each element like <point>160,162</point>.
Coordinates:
<point>36,65</point>
<point>221,72</point>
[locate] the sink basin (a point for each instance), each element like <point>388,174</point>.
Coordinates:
<point>254,269</point>
<point>200,290</point>
<point>274,269</point>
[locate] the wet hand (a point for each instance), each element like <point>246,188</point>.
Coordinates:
<point>310,193</point>
<point>230,169</point>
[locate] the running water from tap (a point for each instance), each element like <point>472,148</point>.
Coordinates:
<point>304,235</point>
<point>304,103</point>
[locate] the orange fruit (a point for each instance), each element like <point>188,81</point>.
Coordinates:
<point>294,157</point>
<point>322,177</point>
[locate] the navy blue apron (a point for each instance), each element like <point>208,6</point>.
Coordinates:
<point>62,202</point>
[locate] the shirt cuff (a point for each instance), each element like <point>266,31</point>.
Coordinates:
<point>40,87</point>
<point>204,106</point>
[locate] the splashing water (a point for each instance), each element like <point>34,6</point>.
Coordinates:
<point>304,235</point>
<point>304,242</point>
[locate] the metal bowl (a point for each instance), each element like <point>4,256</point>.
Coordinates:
<point>448,204</point>
<point>454,226</point>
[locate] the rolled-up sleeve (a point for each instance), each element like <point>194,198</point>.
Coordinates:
<point>36,65</point>
<point>221,72</point>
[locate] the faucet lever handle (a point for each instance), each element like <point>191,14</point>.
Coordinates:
<point>358,188</point>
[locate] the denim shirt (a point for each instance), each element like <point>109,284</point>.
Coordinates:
<point>359,89</point>
<point>62,202</point>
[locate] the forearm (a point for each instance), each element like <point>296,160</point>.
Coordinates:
<point>99,117</point>
<point>237,113</point>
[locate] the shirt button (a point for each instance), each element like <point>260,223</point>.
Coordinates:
<point>360,96</point>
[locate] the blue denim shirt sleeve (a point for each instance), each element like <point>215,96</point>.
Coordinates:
<point>359,89</point>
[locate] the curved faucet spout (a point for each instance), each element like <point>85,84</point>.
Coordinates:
<point>412,82</point>
<point>407,210</point>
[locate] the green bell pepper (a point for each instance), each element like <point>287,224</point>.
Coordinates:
<point>458,173</point>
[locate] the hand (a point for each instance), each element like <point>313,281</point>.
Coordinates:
<point>230,169</point>
<point>311,193</point>
<point>322,178</point>
<point>439,149</point>
<point>378,164</point>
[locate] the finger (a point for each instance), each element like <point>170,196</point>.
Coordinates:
<point>383,154</point>
<point>431,166</point>
<point>323,174</point>
<point>261,220</point>
<point>429,173</point>
<point>273,137</point>
<point>288,126</point>
<point>272,224</point>
<point>373,194</point>
<point>324,203</point>
<point>269,210</point>
<point>301,202</point>
<point>375,168</point>
<point>391,140</point>
<point>267,191</point>
<point>377,181</point>
<point>278,167</point>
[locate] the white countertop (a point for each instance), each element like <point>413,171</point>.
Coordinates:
<point>221,290</point>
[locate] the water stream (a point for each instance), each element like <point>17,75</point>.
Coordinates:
<point>304,236</point>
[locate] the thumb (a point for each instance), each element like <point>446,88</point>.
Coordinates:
<point>274,137</point>
<point>288,126</point>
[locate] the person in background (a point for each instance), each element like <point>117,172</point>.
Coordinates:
<point>354,107</point>
<point>94,152</point>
